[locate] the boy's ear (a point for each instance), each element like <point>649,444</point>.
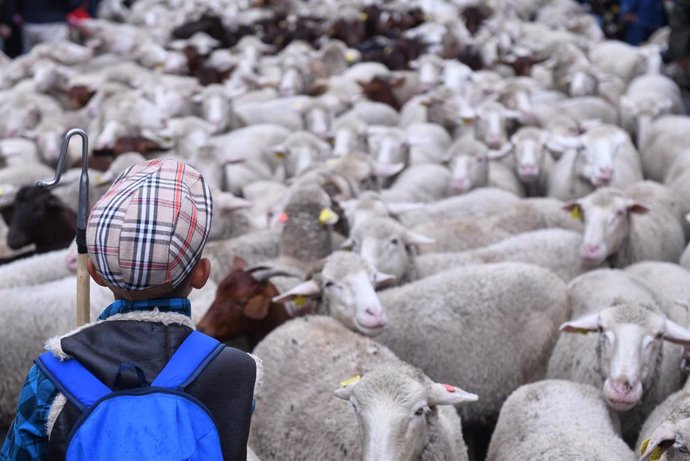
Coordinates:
<point>201,273</point>
<point>91,268</point>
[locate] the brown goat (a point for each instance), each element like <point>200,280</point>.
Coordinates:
<point>244,306</point>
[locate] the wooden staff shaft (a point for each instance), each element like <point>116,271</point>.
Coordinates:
<point>83,302</point>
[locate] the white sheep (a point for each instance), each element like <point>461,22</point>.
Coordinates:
<point>426,182</point>
<point>666,432</point>
<point>489,328</point>
<point>556,419</point>
<point>52,312</point>
<point>602,156</point>
<point>471,167</point>
<point>647,98</point>
<point>627,358</point>
<point>478,202</point>
<point>479,231</point>
<point>532,163</point>
<point>553,249</point>
<point>402,414</point>
<point>623,227</point>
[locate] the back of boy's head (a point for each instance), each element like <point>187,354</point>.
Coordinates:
<point>146,234</point>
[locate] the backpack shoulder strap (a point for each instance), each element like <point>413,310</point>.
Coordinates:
<point>188,361</point>
<point>77,383</point>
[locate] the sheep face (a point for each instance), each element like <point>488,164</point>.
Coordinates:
<point>470,171</point>
<point>490,124</point>
<point>319,120</point>
<point>671,438</point>
<point>629,349</point>
<point>528,146</point>
<point>582,83</point>
<point>396,411</point>
<point>292,82</point>
<point>388,145</point>
<point>346,286</point>
<point>215,109</point>
<point>606,214</point>
<point>429,69</point>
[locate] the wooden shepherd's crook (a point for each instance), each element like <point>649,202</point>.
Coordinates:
<point>83,304</point>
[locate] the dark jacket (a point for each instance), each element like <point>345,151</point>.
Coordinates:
<point>679,40</point>
<point>225,387</point>
<point>38,11</point>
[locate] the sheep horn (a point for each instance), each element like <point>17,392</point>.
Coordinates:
<point>262,277</point>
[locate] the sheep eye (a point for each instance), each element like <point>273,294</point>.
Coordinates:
<point>419,412</point>
<point>328,284</point>
<point>395,241</point>
<point>683,449</point>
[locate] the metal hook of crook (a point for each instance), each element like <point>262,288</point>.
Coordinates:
<point>83,209</point>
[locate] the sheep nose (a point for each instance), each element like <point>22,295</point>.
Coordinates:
<point>622,386</point>
<point>461,185</point>
<point>591,248</point>
<point>528,170</point>
<point>606,173</point>
<point>494,143</point>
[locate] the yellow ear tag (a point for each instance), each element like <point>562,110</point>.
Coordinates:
<point>656,454</point>
<point>643,447</point>
<point>280,154</point>
<point>582,331</point>
<point>362,17</point>
<point>326,216</point>
<point>467,120</point>
<point>350,56</point>
<point>300,300</point>
<point>351,381</point>
<point>2,191</point>
<point>575,213</point>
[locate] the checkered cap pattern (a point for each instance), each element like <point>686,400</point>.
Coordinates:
<point>148,231</point>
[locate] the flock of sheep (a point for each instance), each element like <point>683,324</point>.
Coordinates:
<point>419,204</point>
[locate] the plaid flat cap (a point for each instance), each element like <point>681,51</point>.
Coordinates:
<point>149,229</point>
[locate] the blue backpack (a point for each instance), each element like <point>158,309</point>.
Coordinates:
<point>156,422</point>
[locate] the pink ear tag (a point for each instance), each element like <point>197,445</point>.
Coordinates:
<point>449,388</point>
<point>283,218</point>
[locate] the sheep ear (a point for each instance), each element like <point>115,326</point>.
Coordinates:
<point>584,325</point>
<point>677,334</point>
<point>562,143</point>
<point>229,202</point>
<point>412,238</point>
<point>505,149</point>
<point>574,208</point>
<point>386,170</point>
<point>345,390</point>
<point>637,207</point>
<point>381,279</point>
<point>401,207</point>
<point>348,244</point>
<point>661,440</point>
<point>308,289</point>
<point>445,394</point>
<point>238,264</point>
